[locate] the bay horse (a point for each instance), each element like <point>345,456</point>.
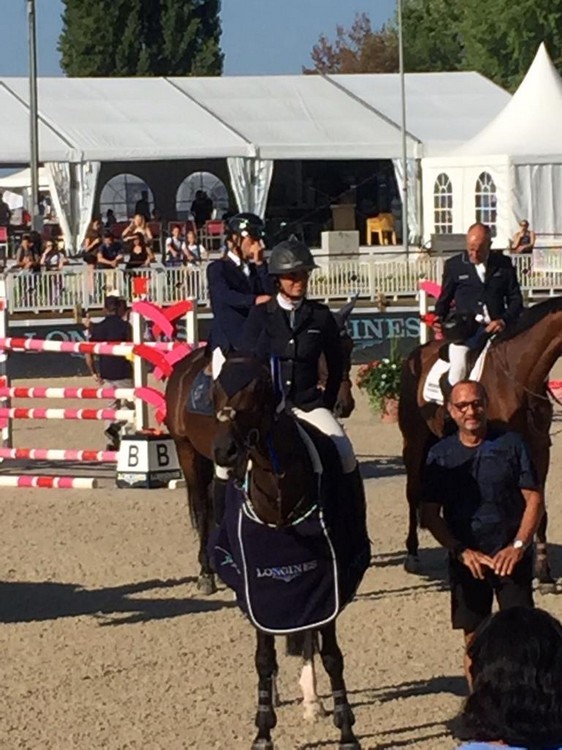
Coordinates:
<point>515,376</point>
<point>194,433</point>
<point>283,491</point>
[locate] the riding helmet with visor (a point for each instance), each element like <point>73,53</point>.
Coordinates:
<point>247,225</point>
<point>290,256</point>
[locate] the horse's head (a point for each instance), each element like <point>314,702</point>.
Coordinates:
<point>244,404</point>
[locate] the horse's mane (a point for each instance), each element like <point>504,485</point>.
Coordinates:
<point>530,317</point>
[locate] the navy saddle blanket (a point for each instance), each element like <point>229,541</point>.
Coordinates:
<point>298,577</point>
<point>199,397</point>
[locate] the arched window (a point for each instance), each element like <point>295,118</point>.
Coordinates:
<point>485,200</point>
<point>443,205</point>
<point>121,193</point>
<point>211,184</point>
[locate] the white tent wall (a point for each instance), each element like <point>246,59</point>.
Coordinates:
<point>250,180</point>
<point>463,174</point>
<point>537,197</point>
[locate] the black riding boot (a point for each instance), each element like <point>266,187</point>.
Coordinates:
<point>356,490</point>
<point>446,386</point>
<point>219,499</point>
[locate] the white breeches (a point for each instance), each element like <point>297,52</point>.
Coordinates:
<point>324,420</point>
<point>458,354</point>
<point>217,361</point>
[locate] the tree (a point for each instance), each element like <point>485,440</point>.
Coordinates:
<point>141,37</point>
<point>504,49</point>
<point>432,34</point>
<point>358,50</point>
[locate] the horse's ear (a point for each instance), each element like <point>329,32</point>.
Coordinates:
<point>343,314</point>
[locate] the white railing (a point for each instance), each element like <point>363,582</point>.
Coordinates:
<point>79,286</point>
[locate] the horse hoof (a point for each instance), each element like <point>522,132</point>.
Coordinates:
<point>206,584</point>
<point>547,587</point>
<point>412,564</point>
<point>262,744</point>
<point>313,711</point>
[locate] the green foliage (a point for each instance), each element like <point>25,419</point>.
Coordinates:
<point>380,379</point>
<point>141,38</point>
<point>498,38</point>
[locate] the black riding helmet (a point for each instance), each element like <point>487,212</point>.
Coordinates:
<point>290,256</point>
<point>247,225</point>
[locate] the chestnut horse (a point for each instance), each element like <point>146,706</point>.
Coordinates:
<point>283,490</point>
<point>194,434</point>
<point>515,376</point>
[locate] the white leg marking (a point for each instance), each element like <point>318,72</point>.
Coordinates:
<point>312,706</point>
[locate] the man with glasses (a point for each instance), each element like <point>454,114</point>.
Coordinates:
<point>482,502</point>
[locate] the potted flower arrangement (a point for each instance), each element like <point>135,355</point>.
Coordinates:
<point>380,379</point>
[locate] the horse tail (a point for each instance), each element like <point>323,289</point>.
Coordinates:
<point>304,644</point>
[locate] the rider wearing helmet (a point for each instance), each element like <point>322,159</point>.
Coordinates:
<point>237,282</point>
<point>295,331</point>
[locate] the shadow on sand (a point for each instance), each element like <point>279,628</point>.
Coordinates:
<point>27,602</point>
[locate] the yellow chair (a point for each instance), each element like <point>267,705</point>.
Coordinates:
<point>383,226</point>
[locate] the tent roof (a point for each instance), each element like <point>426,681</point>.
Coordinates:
<point>277,117</point>
<point>528,128</point>
<point>298,117</point>
<point>22,180</point>
<point>14,133</point>
<point>121,119</point>
<point>444,110</point>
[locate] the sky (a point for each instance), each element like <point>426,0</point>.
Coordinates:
<point>259,37</point>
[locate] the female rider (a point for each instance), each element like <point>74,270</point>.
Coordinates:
<point>296,331</point>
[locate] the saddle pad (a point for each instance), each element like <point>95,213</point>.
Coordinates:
<point>199,397</point>
<point>285,580</point>
<point>432,389</point>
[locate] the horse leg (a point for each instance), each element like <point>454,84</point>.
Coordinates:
<point>312,706</point>
<point>332,659</point>
<point>197,471</point>
<point>543,574</point>
<point>413,460</point>
<point>266,665</point>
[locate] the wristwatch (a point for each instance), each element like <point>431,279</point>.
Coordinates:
<point>519,544</point>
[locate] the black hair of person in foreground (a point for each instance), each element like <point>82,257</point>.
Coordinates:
<point>516,681</point>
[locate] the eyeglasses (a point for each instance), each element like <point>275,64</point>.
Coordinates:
<point>463,406</point>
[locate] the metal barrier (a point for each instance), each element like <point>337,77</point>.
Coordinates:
<point>370,277</point>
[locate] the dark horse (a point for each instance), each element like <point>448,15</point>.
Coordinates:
<point>515,375</point>
<point>194,434</point>
<point>283,490</point>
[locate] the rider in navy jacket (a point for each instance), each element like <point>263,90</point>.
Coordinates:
<point>483,284</point>
<point>237,282</point>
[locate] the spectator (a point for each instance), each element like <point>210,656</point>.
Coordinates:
<point>5,212</point>
<point>141,255</point>
<point>175,249</point>
<point>52,259</point>
<point>194,251</point>
<point>142,206</point>
<point>156,214</point>
<point>90,249</point>
<point>28,255</point>
<point>201,208</point>
<point>482,502</point>
<point>138,225</point>
<point>110,253</point>
<point>516,683</point>
<point>110,219</point>
<point>112,372</point>
<point>25,218</point>
<point>523,240</point>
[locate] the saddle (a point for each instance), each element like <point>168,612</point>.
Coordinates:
<point>432,391</point>
<point>199,397</point>
<point>299,577</point>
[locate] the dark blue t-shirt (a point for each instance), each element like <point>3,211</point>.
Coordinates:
<point>113,328</point>
<point>480,488</point>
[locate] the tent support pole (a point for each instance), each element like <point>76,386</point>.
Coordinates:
<point>33,115</point>
<point>405,239</point>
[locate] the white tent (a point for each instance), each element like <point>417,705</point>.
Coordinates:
<point>511,170</point>
<point>21,180</point>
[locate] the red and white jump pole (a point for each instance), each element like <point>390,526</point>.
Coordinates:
<point>51,483</point>
<point>127,394</point>
<point>20,412</point>
<point>54,454</point>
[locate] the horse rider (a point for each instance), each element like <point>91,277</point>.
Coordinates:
<point>485,290</point>
<point>237,282</point>
<point>293,332</point>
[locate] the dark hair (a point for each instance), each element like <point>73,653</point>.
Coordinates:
<point>517,680</point>
<point>108,233</point>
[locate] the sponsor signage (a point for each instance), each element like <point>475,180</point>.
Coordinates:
<point>371,331</point>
